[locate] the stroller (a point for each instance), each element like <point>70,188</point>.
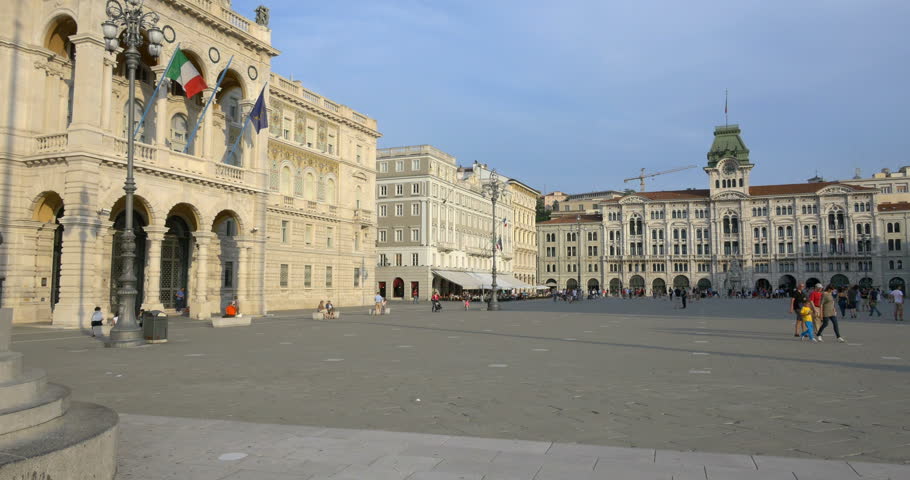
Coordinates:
<point>436,306</point>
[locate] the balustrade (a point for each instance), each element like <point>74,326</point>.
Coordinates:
<point>51,143</point>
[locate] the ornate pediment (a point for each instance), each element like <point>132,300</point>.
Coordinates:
<point>729,196</point>
<point>302,159</point>
<point>836,190</point>
<point>631,199</point>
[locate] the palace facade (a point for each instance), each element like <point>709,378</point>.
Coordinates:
<point>731,235</point>
<point>284,221</point>
<point>435,226</point>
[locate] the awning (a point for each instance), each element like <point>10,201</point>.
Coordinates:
<point>504,281</point>
<point>465,280</point>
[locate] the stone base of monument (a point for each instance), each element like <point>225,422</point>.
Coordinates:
<point>244,321</point>
<point>42,434</point>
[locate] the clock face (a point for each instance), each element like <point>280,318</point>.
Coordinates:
<point>729,168</point>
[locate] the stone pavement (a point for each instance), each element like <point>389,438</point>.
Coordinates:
<point>190,449</point>
<point>723,376</point>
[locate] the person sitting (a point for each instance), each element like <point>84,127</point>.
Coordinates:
<point>321,307</point>
<point>231,310</point>
<point>329,309</point>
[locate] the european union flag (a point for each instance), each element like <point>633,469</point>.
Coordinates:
<point>259,116</point>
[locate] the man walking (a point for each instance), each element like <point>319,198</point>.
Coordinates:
<point>683,294</point>
<point>897,296</point>
<point>873,302</point>
<point>378,306</point>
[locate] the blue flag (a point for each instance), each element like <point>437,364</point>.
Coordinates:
<point>259,116</point>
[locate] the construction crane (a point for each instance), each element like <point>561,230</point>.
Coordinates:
<point>641,178</point>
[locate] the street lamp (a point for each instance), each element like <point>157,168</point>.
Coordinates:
<point>578,253</point>
<point>494,189</point>
<point>126,23</point>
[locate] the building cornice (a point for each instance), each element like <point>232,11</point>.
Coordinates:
<point>223,26</point>
<point>315,109</point>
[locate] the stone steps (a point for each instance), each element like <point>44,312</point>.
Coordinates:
<point>51,403</point>
<point>22,390</point>
<point>81,444</point>
<point>10,366</point>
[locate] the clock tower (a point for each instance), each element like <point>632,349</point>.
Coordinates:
<point>728,162</point>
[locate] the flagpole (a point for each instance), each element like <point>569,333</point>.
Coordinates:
<point>245,123</point>
<point>726,117</point>
<point>192,137</point>
<point>155,93</point>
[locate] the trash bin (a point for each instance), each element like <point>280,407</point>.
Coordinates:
<point>154,326</point>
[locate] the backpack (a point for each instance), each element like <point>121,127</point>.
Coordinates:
<point>873,295</point>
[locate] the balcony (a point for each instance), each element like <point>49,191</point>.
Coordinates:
<point>364,216</point>
<point>53,143</point>
<point>445,246</point>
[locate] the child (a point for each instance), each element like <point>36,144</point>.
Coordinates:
<point>97,321</point>
<point>806,314</point>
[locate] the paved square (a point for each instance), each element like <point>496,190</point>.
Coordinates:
<point>723,376</point>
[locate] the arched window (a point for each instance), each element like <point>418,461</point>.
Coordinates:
<point>780,232</point>
<point>890,228</point>
<point>358,194</point>
<point>890,264</point>
<point>286,181</point>
<point>178,133</point>
<point>897,228</point>
<point>777,211</point>
<point>806,230</point>
<point>868,229</point>
<point>137,114</point>
<point>309,186</point>
<point>789,231</point>
<point>814,230</point>
<point>330,190</point>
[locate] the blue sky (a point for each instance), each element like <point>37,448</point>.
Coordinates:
<point>576,95</point>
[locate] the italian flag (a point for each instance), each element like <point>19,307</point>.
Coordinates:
<point>183,71</point>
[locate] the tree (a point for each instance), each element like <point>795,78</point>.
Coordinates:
<point>542,213</point>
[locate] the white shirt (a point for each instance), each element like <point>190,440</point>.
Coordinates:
<point>897,295</point>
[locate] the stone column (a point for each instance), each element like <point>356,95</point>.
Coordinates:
<point>208,126</point>
<point>77,272</point>
<point>152,295</point>
<point>200,306</point>
<point>161,115</point>
<point>107,91</point>
<point>244,148</point>
<point>87,96</point>
<point>242,268</point>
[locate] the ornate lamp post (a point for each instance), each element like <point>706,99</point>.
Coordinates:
<point>578,254</point>
<point>126,22</point>
<point>494,189</point>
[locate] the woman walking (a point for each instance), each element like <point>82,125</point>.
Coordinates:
<point>829,314</point>
<point>842,301</point>
<point>853,299</point>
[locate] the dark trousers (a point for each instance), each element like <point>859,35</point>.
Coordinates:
<point>825,324</point>
<point>684,302</point>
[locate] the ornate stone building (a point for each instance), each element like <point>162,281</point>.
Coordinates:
<point>283,222</point>
<point>524,231</point>
<point>730,235</point>
<point>435,225</point>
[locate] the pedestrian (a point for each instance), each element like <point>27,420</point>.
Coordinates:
<point>806,313</point>
<point>842,297</point>
<point>897,296</point>
<point>829,314</point>
<point>180,298</point>
<point>798,298</point>
<point>683,296</point>
<point>377,308</point>
<point>97,322</point>
<point>816,298</point>
<point>414,295</point>
<point>853,299</point>
<point>467,301</point>
<point>873,302</point>
<point>436,305</point>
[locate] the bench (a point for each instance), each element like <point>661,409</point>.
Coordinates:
<point>232,322</point>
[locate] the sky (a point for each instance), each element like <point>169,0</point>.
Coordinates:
<point>576,95</point>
